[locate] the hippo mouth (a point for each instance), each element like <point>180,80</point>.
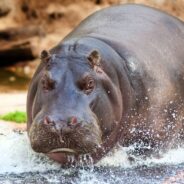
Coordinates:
<point>69,157</point>
<point>65,147</point>
<point>65,156</point>
<point>63,150</point>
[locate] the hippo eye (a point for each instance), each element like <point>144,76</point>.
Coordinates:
<point>47,83</point>
<point>87,85</point>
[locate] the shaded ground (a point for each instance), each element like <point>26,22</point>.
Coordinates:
<point>10,81</point>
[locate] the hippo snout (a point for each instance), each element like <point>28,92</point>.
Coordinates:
<point>52,133</point>
<point>61,127</point>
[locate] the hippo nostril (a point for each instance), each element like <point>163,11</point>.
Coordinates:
<point>47,121</point>
<point>73,121</point>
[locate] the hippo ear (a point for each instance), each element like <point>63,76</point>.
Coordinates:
<point>94,58</point>
<point>45,56</point>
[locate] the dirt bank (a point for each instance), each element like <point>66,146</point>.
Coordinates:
<point>12,102</point>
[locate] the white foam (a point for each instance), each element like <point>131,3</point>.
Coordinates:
<point>87,177</point>
<point>120,158</point>
<point>117,157</point>
<point>16,155</point>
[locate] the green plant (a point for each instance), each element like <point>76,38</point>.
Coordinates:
<point>17,116</point>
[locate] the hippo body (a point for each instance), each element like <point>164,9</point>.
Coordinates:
<point>132,58</point>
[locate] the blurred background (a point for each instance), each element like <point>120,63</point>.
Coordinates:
<point>29,26</point>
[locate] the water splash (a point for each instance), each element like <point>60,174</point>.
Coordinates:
<point>71,159</point>
<point>86,161</point>
<point>119,157</point>
<point>16,156</point>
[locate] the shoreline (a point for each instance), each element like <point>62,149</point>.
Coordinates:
<point>13,101</point>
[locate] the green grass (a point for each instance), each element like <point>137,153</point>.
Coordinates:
<point>17,116</point>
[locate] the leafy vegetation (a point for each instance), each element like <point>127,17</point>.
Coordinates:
<point>17,116</point>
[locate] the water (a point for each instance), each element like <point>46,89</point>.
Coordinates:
<point>19,164</point>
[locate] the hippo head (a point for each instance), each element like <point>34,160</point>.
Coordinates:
<point>75,105</point>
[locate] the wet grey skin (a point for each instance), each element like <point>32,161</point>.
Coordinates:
<point>118,77</point>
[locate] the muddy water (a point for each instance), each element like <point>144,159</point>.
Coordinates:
<point>19,164</point>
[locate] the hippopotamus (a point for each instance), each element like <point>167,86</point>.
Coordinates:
<point>117,78</point>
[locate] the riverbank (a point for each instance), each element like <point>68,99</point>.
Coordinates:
<point>12,102</point>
